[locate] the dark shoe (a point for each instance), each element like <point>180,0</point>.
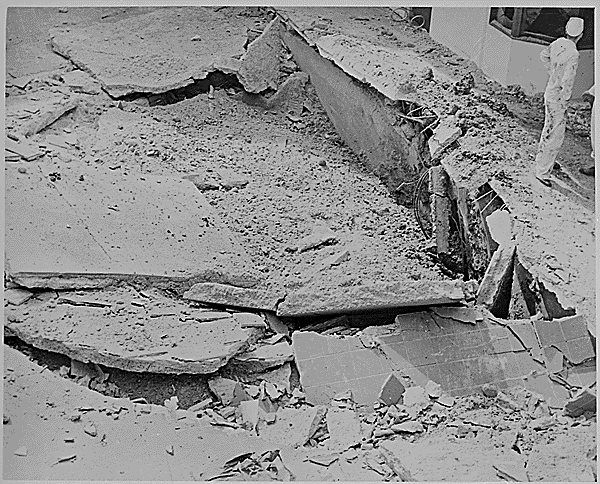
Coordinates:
<point>545,181</point>
<point>589,171</point>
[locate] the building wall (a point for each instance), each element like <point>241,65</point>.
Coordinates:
<point>507,61</point>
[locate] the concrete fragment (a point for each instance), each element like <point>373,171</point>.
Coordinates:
<point>50,117</point>
<point>264,357</point>
<point>250,320</point>
<point>394,461</point>
<point>259,68</point>
<point>91,430</point>
<point>344,428</point>
<point>510,470</point>
<point>446,133</point>
<point>440,208</point>
<point>197,407</point>
<point>225,295</point>
<point>465,315</point>
<point>415,396</point>
<point>165,346</point>
<point>391,391</point>
<point>337,259</point>
<point>490,390</point>
<point>409,427</point>
<point>433,389</point>
<point>494,290</point>
<point>26,150</point>
<point>371,297</point>
<point>583,401</point>
<point>17,296</point>
<point>80,81</point>
<point>329,365</point>
<point>21,451</point>
<point>249,410</point>
<point>229,392</point>
<point>292,427</point>
<point>275,324</point>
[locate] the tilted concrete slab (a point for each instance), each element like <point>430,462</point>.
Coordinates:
<point>211,293</point>
<point>166,49</point>
<point>462,357</point>
<point>372,297</point>
<point>91,226</point>
<point>156,337</point>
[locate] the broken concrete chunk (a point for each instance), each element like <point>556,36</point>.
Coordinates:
<point>433,389</point>
<point>391,391</point>
<point>229,392</point>
<point>26,150</point>
<point>213,293</point>
<point>394,461</point>
<point>344,428</point>
<point>415,396</point>
<point>200,405</point>
<point>21,451</point>
<point>17,296</point>
<point>497,279</point>
<point>444,135</point>
<point>292,426</point>
<point>371,297</point>
<point>465,315</point>
<point>50,117</point>
<point>583,401</point>
<point>275,324</point>
<point>264,357</point>
<point>250,320</point>
<point>409,427</point>
<point>249,410</point>
<point>91,430</point>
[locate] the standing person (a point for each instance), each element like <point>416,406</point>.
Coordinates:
<point>591,96</point>
<point>560,58</point>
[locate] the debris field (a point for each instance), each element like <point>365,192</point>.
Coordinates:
<point>310,249</point>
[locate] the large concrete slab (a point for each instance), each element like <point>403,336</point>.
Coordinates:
<point>95,226</point>
<point>170,48</point>
<point>117,329</point>
<point>372,297</point>
<point>211,293</point>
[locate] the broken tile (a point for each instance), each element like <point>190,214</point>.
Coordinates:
<point>329,365</point>
<point>581,376</point>
<point>584,400</point>
<point>556,395</point>
<point>344,429</point>
<point>391,391</point>
<point>214,293</point>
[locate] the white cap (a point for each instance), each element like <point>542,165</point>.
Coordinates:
<point>574,26</point>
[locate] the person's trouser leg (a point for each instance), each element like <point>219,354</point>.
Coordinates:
<point>551,140</point>
<point>593,129</point>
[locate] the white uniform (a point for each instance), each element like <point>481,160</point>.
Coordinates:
<point>592,91</point>
<point>560,58</point>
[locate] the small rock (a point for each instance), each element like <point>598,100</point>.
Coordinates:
<point>196,38</point>
<point>170,450</point>
<point>22,170</point>
<point>62,10</point>
<point>490,390</point>
<point>91,430</point>
<point>21,451</point>
<point>5,419</point>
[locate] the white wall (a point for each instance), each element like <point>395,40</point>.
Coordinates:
<point>467,32</point>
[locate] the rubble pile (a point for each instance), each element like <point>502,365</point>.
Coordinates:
<point>192,243</point>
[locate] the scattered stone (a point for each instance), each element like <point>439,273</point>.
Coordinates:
<point>583,401</point>
<point>91,430</point>
<point>213,293</point>
<point>433,389</point>
<point>511,471</point>
<point>21,451</point>
<point>490,390</point>
<point>391,391</point>
<point>409,427</point>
